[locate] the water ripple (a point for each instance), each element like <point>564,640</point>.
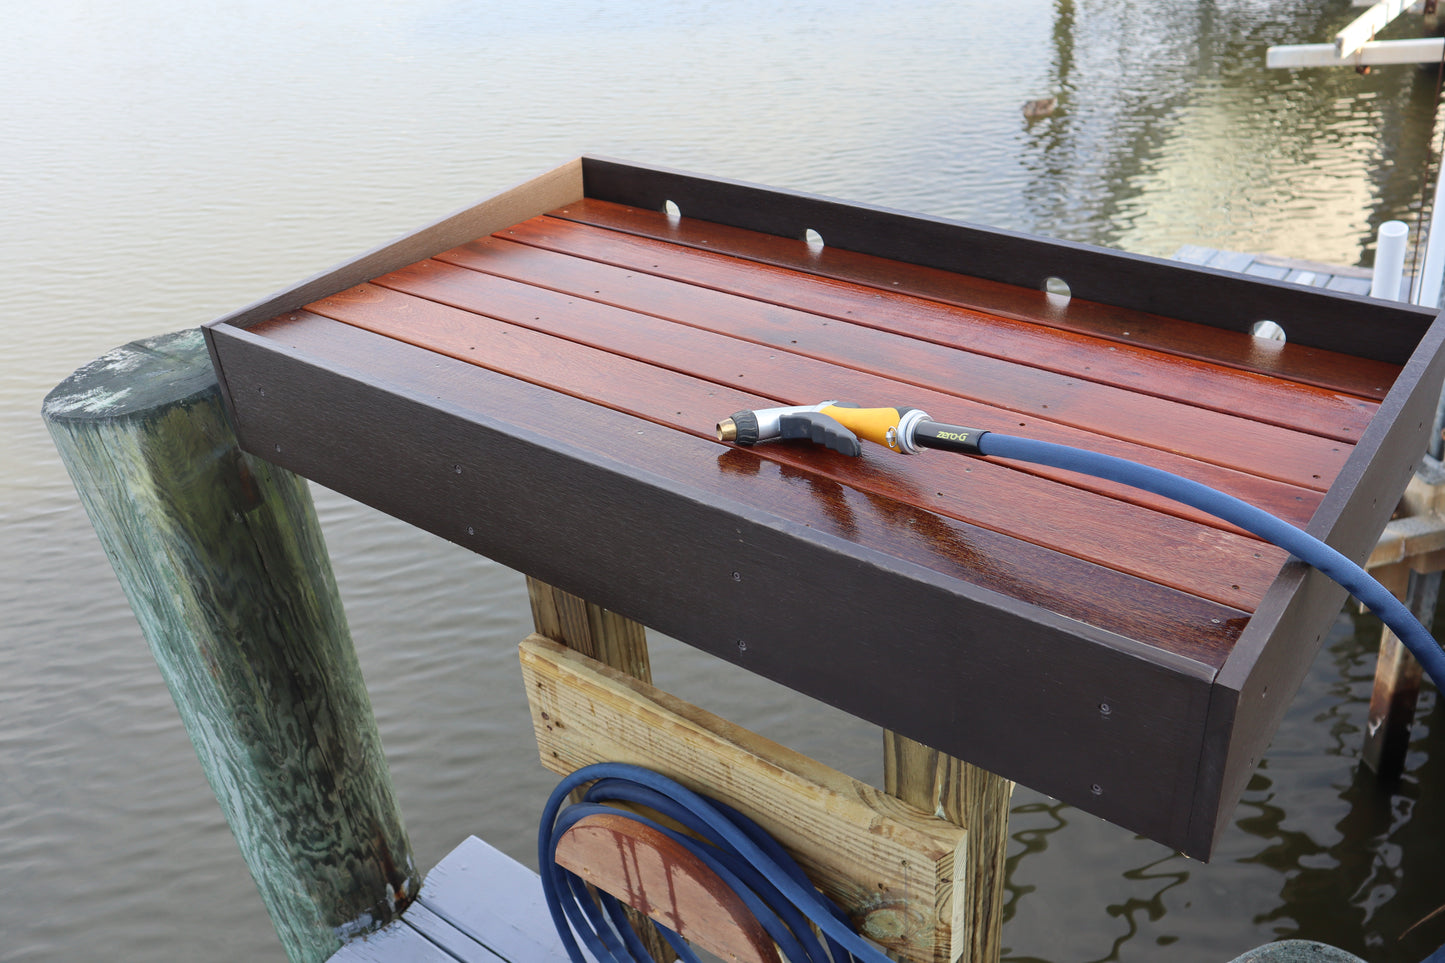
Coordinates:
<point>168,162</point>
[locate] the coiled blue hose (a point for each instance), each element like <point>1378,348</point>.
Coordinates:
<point>750,861</point>
<point>1298,543</point>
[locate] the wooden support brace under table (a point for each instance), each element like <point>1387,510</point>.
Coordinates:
<point>613,641</point>
<point>1397,685</point>
<point>1408,560</point>
<point>967,903</point>
<point>893,868</point>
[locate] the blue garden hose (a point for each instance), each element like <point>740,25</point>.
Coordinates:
<point>908,431</point>
<point>743,855</point>
<point>1297,542</point>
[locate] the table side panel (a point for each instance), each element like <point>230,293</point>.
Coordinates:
<point>1367,491</point>
<point>528,199</point>
<point>1265,668</point>
<point>1027,707</point>
<point>1244,716</point>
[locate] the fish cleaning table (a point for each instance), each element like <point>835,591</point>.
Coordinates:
<point>538,378</point>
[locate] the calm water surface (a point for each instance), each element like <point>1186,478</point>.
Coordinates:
<point>162,166</point>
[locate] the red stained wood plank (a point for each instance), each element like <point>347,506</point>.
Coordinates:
<point>1274,401</point>
<point>822,491</point>
<point>651,872</point>
<point>781,376</point>
<point>1214,564</point>
<point>1203,434</point>
<point>1326,369</point>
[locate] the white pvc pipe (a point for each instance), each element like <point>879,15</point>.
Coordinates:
<point>1389,260</point>
<point>1427,285</point>
<point>1377,53</point>
<point>1364,27</point>
<point>1427,295</point>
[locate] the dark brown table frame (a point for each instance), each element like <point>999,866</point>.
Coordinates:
<point>536,378</point>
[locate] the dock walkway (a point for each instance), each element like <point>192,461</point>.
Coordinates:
<point>1314,274</point>
<point>477,905</point>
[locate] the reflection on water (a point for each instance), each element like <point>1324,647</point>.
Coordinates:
<point>168,162</point>
<point>1163,105</point>
<point>1319,850</point>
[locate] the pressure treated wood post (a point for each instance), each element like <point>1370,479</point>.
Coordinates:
<point>975,799</point>
<point>1397,685</point>
<point>223,562</point>
<point>590,629</point>
<point>614,641</point>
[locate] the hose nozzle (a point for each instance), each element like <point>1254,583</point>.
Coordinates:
<point>838,425</point>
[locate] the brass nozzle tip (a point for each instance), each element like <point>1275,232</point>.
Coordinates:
<point>727,430</point>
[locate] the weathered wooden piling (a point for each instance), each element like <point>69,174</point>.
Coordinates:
<point>222,559</point>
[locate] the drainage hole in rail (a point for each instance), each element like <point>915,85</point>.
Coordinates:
<point>1267,331</point>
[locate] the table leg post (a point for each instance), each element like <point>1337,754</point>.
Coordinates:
<point>614,641</point>
<point>977,800</point>
<point>1397,685</point>
<point>590,629</point>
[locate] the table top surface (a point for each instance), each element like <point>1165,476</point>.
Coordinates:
<point>681,324</point>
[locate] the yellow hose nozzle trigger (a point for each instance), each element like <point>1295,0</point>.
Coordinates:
<point>836,424</point>
<point>890,427</point>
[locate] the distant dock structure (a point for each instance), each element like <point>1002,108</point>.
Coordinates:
<point>1313,274</point>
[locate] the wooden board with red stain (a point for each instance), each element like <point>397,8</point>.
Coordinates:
<point>645,869</point>
<point>540,381</point>
<point>650,345</point>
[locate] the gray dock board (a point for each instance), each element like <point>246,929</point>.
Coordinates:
<point>1348,285</point>
<point>396,943</point>
<point>1314,279</point>
<point>477,905</point>
<point>1231,261</point>
<point>1261,270</point>
<point>458,943</point>
<point>512,919</point>
<point>1331,277</point>
<point>1194,254</point>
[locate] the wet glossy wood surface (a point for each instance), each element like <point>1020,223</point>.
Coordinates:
<point>817,490</point>
<point>625,311</point>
